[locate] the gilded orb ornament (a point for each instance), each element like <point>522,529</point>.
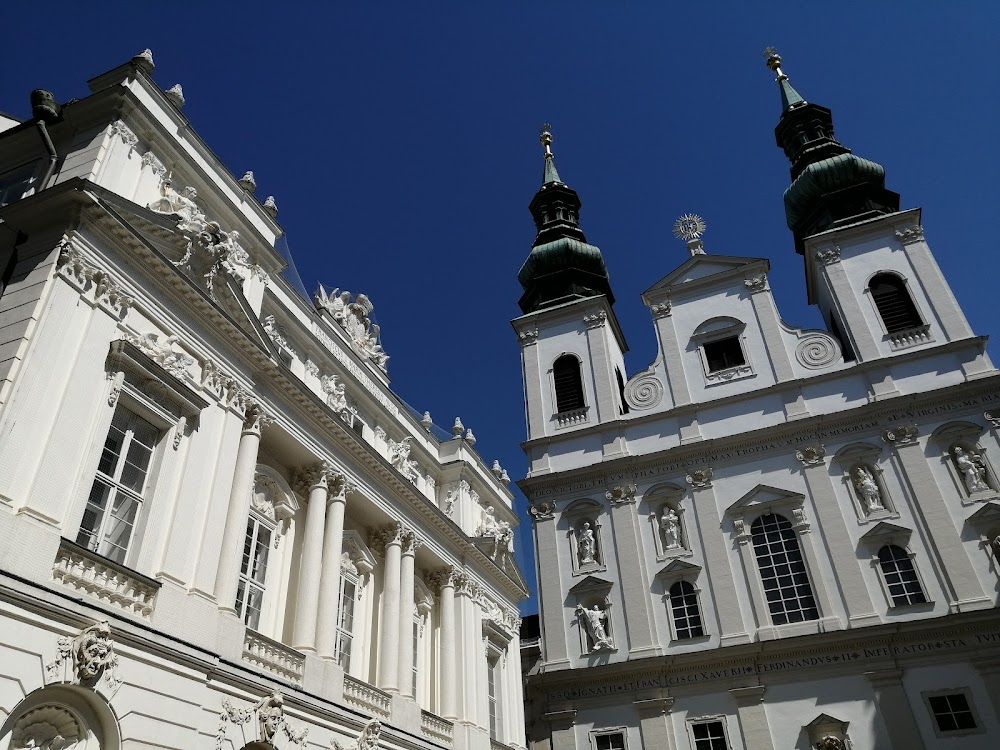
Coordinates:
<point>689,227</point>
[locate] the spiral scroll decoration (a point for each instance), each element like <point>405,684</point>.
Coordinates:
<point>644,392</point>
<point>817,351</point>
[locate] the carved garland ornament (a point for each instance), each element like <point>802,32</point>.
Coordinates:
<point>901,435</point>
<point>699,478</point>
<point>77,270</point>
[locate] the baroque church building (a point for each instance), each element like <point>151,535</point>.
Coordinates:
<point>219,527</point>
<point>771,537</point>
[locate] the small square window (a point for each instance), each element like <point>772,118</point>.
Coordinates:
<point>709,735</point>
<point>952,712</point>
<point>724,354</point>
<point>612,741</point>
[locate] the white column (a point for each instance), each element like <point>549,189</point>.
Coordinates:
<point>228,575</point>
<point>387,653</point>
<point>315,481</point>
<point>329,587</point>
<point>405,645</point>
<point>448,675</point>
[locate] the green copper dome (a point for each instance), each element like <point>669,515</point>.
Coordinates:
<point>828,176</point>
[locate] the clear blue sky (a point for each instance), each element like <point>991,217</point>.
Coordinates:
<point>400,141</point>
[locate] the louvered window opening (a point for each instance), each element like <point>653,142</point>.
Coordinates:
<point>894,305</point>
<point>900,576</point>
<point>782,570</point>
<point>569,385</point>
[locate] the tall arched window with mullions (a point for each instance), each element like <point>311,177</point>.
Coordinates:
<point>568,383</point>
<point>782,570</point>
<point>894,304</point>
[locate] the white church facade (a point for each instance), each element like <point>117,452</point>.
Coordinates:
<point>219,527</point>
<point>772,537</point>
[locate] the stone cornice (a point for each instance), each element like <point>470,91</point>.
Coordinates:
<point>967,636</point>
<point>866,422</point>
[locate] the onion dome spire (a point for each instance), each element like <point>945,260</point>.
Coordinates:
<point>830,187</point>
<point>561,266</point>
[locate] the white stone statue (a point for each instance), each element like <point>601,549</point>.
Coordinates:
<point>191,219</point>
<point>586,545</point>
<point>500,531</point>
<point>593,622</point>
<point>368,740</point>
<point>970,464</point>
<point>270,714</point>
<point>399,457</point>
<point>868,489</point>
<point>162,352</point>
<point>671,528</point>
<point>336,395</point>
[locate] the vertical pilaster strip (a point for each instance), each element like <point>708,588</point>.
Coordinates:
<point>638,602</point>
<point>601,367</point>
<point>718,569</point>
<point>405,645</point>
<point>329,589</point>
<point>389,637</point>
<point>753,718</point>
<point>535,378</point>
<point>550,594</point>
<point>962,585</point>
<point>763,307</point>
<point>928,273</point>
<point>228,576</point>
<point>562,729</point>
<point>832,526</point>
<point>989,672</point>
<point>890,698</point>
<point>447,649</point>
<point>313,480</point>
<point>655,723</point>
<point>827,266</point>
<point>673,362</point>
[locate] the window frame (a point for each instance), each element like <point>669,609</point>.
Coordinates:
<point>767,518</point>
<point>909,557</point>
<point>716,330</point>
<point>576,415</point>
<point>347,578</point>
<point>495,655</point>
<point>904,285</point>
<point>966,693</point>
<point>256,521</point>
<point>695,594</point>
<point>698,720</point>
<point>596,734</point>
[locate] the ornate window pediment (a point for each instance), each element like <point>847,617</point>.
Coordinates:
<point>592,585</point>
<point>677,570</point>
<point>273,499</point>
<point>887,533</point>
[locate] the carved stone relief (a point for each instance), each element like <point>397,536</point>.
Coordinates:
<point>399,457</point>
<point>161,350</point>
<point>48,727</point>
<point>354,318</point>
<point>86,658</point>
<point>644,392</point>
<point>621,495</point>
<point>593,622</point>
<point>368,740</point>
<point>500,531</point>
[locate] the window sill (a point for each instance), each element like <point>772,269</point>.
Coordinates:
<point>910,337</point>
<point>97,576</point>
<point>908,609</point>
<point>740,372</point>
<point>571,418</point>
<point>584,570</point>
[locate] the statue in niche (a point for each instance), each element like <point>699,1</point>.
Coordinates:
<point>593,622</point>
<point>671,528</point>
<point>586,545</point>
<point>867,487</point>
<point>973,471</point>
<point>270,714</point>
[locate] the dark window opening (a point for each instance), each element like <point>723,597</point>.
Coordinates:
<point>900,576</point>
<point>782,570</point>
<point>709,735</point>
<point>621,391</point>
<point>893,302</point>
<point>569,384</point>
<point>952,712</point>
<point>687,618</point>
<point>724,353</point>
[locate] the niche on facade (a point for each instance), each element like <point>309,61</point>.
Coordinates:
<point>592,615</point>
<point>861,475</point>
<point>584,529</point>
<point>986,522</point>
<point>666,518</point>
<point>59,717</point>
<point>827,733</point>
<point>968,465</point>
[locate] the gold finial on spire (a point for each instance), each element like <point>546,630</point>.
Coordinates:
<point>774,62</point>
<point>546,139</point>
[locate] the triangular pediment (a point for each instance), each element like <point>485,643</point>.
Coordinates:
<point>884,531</point>
<point>988,514</point>
<point>679,569</point>
<point>762,495</point>
<point>591,584</point>
<point>703,266</point>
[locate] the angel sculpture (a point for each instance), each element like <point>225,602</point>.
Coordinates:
<point>593,622</point>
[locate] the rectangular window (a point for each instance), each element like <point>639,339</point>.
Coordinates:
<point>253,571</point>
<point>724,353</point>
<point>709,735</point>
<point>17,183</point>
<point>952,712</point>
<point>493,691</point>
<point>345,628</point>
<point>612,741</point>
<point>416,654</point>
<point>117,493</point>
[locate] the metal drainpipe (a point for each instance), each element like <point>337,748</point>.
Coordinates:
<point>53,156</point>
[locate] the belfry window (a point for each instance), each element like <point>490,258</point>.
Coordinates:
<point>723,354</point>
<point>568,383</point>
<point>893,302</point>
<point>117,494</point>
<point>782,570</point>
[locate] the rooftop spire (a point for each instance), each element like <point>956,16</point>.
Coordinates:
<point>549,173</point>
<point>789,97</point>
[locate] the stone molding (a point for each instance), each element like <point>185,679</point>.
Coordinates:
<point>812,455</point>
<point>700,478</point>
<point>901,435</point>
<point>910,234</point>
<point>528,337</point>
<point>542,511</point>
<point>661,309</point>
<point>82,273</point>
<point>829,256</point>
<point>595,320</point>
<point>120,129</point>
<point>756,283</point>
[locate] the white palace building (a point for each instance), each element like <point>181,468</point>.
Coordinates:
<point>770,538</point>
<point>219,527</point>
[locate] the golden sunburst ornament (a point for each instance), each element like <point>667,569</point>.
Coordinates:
<point>689,227</point>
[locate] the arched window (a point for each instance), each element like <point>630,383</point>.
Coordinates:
<point>568,383</point>
<point>893,302</point>
<point>782,570</point>
<point>900,576</point>
<point>684,606</point>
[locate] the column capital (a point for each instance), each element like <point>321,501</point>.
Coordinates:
<point>321,475</point>
<point>255,418</point>
<point>812,455</point>
<point>748,696</point>
<point>701,478</point>
<point>443,577</point>
<point>884,677</point>
<point>901,435</point>
<point>381,537</point>
<point>653,706</point>
<point>409,541</point>
<point>622,495</point>
<point>542,511</point>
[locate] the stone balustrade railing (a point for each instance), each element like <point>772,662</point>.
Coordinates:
<point>572,417</point>
<point>367,697</point>
<point>910,337</point>
<point>436,728</point>
<point>96,576</point>
<point>273,657</point>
